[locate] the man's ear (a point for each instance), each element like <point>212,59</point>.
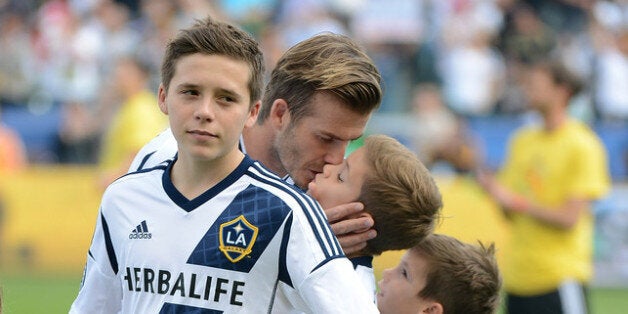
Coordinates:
<point>433,308</point>
<point>253,113</point>
<point>279,114</point>
<point>161,99</point>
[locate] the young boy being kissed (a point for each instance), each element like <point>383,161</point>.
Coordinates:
<point>396,190</point>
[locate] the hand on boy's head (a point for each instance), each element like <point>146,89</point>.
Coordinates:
<point>343,211</point>
<point>352,226</point>
<point>353,243</point>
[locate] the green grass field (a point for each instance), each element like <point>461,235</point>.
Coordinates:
<point>50,294</point>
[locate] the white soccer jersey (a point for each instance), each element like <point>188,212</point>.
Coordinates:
<point>251,244</point>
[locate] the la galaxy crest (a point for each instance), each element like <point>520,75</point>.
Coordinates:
<point>237,238</point>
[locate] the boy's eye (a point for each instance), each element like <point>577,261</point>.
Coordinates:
<point>227,99</point>
<point>340,179</point>
<point>404,273</point>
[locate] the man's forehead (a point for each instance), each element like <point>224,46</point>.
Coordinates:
<point>341,124</point>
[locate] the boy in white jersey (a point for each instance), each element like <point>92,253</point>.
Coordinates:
<point>213,231</point>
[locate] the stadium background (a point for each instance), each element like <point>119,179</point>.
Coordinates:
<point>49,208</point>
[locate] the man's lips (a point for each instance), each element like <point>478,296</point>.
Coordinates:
<point>314,174</point>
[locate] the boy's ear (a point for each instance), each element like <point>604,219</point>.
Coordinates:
<point>161,99</point>
<point>432,308</point>
<point>279,114</point>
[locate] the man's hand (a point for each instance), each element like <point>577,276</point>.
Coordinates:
<point>352,226</point>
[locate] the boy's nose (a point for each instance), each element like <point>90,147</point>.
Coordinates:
<point>205,111</point>
<point>327,170</point>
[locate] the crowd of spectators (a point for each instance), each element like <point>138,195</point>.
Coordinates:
<point>61,53</point>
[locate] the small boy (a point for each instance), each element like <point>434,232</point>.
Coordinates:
<point>442,275</point>
<point>213,231</point>
<point>396,190</point>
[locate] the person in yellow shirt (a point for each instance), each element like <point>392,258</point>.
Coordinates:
<point>136,121</point>
<point>551,175</point>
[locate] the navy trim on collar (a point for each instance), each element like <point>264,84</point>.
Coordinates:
<point>189,205</point>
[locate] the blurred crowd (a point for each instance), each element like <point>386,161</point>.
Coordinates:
<point>441,60</point>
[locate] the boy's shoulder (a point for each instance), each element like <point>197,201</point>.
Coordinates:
<point>141,179</point>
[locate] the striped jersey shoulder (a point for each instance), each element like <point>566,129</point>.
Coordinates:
<point>308,208</point>
<point>261,174</point>
<point>156,171</point>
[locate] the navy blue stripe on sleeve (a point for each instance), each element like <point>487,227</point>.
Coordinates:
<point>284,275</point>
<point>144,160</point>
<point>109,245</point>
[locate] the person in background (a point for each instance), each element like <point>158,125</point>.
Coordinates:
<point>13,156</point>
<point>135,122</point>
<point>552,173</point>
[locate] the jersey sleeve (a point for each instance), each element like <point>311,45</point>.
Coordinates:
<point>318,269</point>
<point>591,177</point>
<point>100,290</point>
<point>366,275</point>
<point>336,288</point>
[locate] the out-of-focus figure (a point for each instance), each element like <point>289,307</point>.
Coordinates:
<point>551,175</point>
<point>135,122</point>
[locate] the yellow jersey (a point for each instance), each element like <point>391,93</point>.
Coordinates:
<point>550,168</point>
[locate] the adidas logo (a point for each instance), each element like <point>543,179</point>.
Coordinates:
<point>140,232</point>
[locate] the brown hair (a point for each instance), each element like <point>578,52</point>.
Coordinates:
<point>399,193</point>
<point>326,62</point>
<point>216,38</point>
<point>561,75</point>
<point>463,278</point>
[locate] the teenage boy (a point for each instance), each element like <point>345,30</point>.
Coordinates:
<point>212,230</point>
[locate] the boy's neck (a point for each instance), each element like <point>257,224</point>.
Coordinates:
<point>192,177</point>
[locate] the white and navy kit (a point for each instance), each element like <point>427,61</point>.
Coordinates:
<point>250,244</point>
<point>163,148</point>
